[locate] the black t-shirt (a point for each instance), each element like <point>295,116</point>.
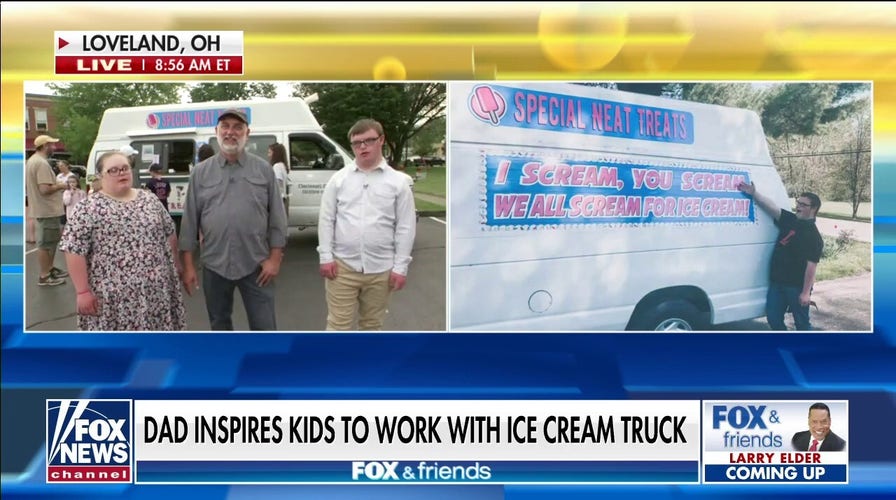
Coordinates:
<point>161,188</point>
<point>798,243</point>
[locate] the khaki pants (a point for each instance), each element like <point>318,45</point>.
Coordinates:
<point>351,291</point>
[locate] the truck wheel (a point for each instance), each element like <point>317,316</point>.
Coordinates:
<point>669,316</point>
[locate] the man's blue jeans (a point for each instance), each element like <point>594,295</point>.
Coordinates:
<point>781,297</point>
<point>258,300</point>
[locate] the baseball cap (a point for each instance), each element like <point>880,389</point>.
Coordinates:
<point>155,167</point>
<point>127,150</point>
<point>43,139</point>
<point>234,113</point>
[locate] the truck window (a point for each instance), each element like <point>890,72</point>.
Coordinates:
<point>175,156</point>
<point>311,151</point>
<point>257,144</point>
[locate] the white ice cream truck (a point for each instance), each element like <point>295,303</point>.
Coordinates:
<point>576,208</point>
<point>171,135</point>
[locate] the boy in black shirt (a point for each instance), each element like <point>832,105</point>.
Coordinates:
<point>794,261</point>
<point>158,185</point>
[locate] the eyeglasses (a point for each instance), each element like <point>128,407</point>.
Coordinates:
<point>804,205</point>
<point>117,170</point>
<point>365,142</point>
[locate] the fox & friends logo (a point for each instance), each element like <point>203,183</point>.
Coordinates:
<point>89,441</point>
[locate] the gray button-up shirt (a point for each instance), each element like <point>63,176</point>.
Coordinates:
<point>238,208</point>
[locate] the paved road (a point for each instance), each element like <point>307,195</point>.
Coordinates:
<point>300,291</point>
<point>844,305</point>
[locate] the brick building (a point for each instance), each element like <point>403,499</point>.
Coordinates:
<point>39,120</point>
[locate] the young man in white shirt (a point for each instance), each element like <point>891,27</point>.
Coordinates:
<point>365,232</point>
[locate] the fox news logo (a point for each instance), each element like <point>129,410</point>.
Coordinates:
<point>89,441</point>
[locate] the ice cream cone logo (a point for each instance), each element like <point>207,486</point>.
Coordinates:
<point>487,104</point>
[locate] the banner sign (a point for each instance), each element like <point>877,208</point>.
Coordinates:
<point>535,191</point>
<point>416,441</point>
<point>525,108</point>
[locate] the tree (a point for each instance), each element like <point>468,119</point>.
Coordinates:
<point>796,108</point>
<point>430,138</point>
<point>206,92</point>
<point>654,88</point>
<point>402,108</point>
<point>80,108</point>
<point>846,101</point>
<point>736,95</point>
<point>856,171</point>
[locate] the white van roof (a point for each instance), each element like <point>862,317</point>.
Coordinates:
<point>579,117</point>
<point>167,119</point>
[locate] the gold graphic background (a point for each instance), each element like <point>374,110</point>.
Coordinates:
<point>490,41</point>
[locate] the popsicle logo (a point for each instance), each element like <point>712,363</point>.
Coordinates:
<point>152,120</point>
<point>487,104</point>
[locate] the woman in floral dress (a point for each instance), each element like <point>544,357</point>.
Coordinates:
<point>120,248</point>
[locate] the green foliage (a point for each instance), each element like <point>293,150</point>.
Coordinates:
<point>796,108</point>
<point>402,108</point>
<point>836,246</point>
<point>846,101</point>
<point>843,257</point>
<point>430,139</point>
<point>80,106</point>
<point>736,95</point>
<point>207,92</point>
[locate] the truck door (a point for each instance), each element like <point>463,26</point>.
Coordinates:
<point>313,159</point>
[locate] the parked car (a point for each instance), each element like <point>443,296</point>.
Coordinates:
<point>426,161</point>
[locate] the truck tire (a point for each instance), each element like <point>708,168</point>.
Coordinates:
<point>669,316</point>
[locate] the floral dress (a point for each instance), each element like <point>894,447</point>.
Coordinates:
<point>130,264</point>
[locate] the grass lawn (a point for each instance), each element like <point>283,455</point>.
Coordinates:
<point>842,210</point>
<point>843,258</point>
<point>433,183</point>
<point>426,206</point>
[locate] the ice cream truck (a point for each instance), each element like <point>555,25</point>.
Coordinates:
<point>577,208</point>
<point>171,135</point>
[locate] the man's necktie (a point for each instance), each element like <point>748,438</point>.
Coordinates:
<point>814,446</point>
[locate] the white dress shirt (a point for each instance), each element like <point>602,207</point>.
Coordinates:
<point>368,220</point>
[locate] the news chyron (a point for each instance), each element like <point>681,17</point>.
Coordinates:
<point>89,441</point>
<point>148,53</point>
<point>775,442</point>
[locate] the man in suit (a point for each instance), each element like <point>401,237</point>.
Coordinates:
<point>819,436</point>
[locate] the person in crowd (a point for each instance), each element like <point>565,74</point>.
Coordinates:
<point>29,223</point>
<point>121,249</point>
<point>95,186</point>
<point>794,260</point>
<point>45,200</point>
<point>366,232</point>
<point>234,202</point>
<point>277,157</point>
<point>157,184</point>
<point>73,195</point>
<point>65,171</point>
<point>130,153</point>
<point>205,152</point>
